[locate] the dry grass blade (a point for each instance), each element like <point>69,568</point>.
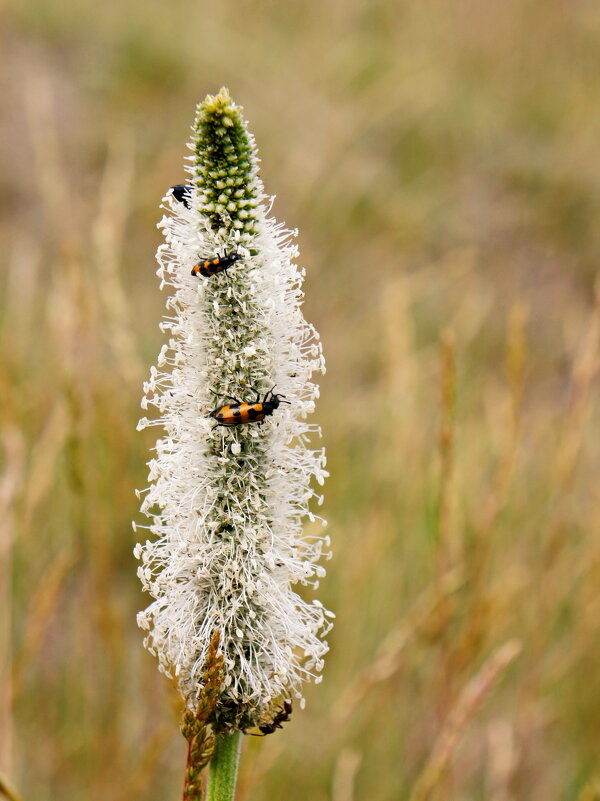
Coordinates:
<point>10,487</point>
<point>388,659</point>
<point>468,704</point>
<point>43,607</point>
<point>591,792</point>
<point>346,768</point>
<point>584,372</point>
<point>502,760</point>
<point>447,548</point>
<point>108,235</point>
<point>143,772</point>
<point>7,791</point>
<point>516,363</point>
<point>43,460</point>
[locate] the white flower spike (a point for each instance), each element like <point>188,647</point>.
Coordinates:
<point>227,504</point>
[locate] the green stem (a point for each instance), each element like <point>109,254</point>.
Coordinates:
<point>223,767</point>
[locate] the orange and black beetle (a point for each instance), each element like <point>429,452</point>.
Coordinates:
<point>238,412</point>
<point>216,265</point>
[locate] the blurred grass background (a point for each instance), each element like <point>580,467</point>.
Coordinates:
<point>441,161</point>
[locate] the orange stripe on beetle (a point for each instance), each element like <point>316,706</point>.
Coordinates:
<point>216,265</point>
<point>235,415</point>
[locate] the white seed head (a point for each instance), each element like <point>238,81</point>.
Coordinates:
<point>227,504</point>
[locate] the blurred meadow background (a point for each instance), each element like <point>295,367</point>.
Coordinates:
<point>440,160</point>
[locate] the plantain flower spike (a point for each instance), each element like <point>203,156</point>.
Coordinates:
<point>227,504</point>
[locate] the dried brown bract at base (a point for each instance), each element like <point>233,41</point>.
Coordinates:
<point>195,728</point>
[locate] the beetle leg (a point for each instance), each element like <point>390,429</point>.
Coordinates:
<point>257,394</point>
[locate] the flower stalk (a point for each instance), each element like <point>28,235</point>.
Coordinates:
<point>227,504</point>
<point>223,767</point>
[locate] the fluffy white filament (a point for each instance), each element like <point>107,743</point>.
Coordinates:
<point>227,505</point>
